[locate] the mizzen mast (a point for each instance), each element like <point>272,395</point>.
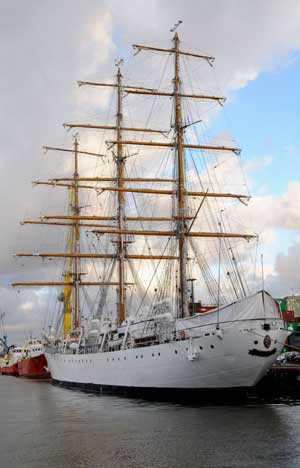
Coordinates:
<point>72,272</point>
<point>72,265</point>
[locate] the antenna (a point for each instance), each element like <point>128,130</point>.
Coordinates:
<point>119,62</point>
<point>219,271</point>
<point>176,26</point>
<point>262,272</point>
<point>263,284</point>
<point>192,293</point>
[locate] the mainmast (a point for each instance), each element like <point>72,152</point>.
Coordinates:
<point>76,212</point>
<point>120,193</point>
<point>181,226</point>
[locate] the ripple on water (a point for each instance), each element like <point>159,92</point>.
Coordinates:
<point>50,427</point>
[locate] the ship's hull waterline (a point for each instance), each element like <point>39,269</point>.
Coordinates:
<point>235,356</point>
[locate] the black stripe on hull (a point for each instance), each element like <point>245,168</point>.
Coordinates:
<point>201,396</point>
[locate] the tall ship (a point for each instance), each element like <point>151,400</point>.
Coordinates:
<point>145,233</point>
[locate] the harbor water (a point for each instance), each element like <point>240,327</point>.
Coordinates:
<point>43,426</point>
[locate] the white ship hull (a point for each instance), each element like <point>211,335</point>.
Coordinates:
<point>236,356</point>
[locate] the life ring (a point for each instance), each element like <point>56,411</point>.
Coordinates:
<point>182,334</point>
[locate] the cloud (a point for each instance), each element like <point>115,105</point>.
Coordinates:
<point>286,277</point>
<point>45,49</point>
<point>277,211</point>
<point>27,306</point>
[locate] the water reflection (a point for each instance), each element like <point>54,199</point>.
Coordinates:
<point>45,426</point>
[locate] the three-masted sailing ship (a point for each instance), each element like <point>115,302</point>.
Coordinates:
<point>170,342</point>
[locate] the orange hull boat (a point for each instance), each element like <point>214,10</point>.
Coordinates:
<point>9,370</point>
<point>33,367</point>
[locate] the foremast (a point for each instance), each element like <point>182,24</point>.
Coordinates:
<point>181,210</point>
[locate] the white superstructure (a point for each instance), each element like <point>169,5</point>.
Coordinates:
<point>32,348</point>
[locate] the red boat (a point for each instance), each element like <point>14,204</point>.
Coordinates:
<point>10,369</point>
<point>33,362</point>
<point>34,367</point>
<point>10,361</point>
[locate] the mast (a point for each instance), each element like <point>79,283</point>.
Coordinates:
<point>120,193</point>
<point>67,277</point>
<point>181,231</point>
<point>76,259</point>
<point>181,227</point>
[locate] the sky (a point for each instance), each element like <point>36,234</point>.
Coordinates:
<point>47,46</point>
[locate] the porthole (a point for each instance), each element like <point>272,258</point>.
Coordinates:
<point>212,346</point>
<point>186,349</point>
<point>136,357</point>
<point>176,352</point>
<point>201,348</point>
<point>158,354</point>
<point>124,358</point>
<point>118,359</point>
<point>255,342</point>
<point>152,354</point>
<point>142,356</point>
